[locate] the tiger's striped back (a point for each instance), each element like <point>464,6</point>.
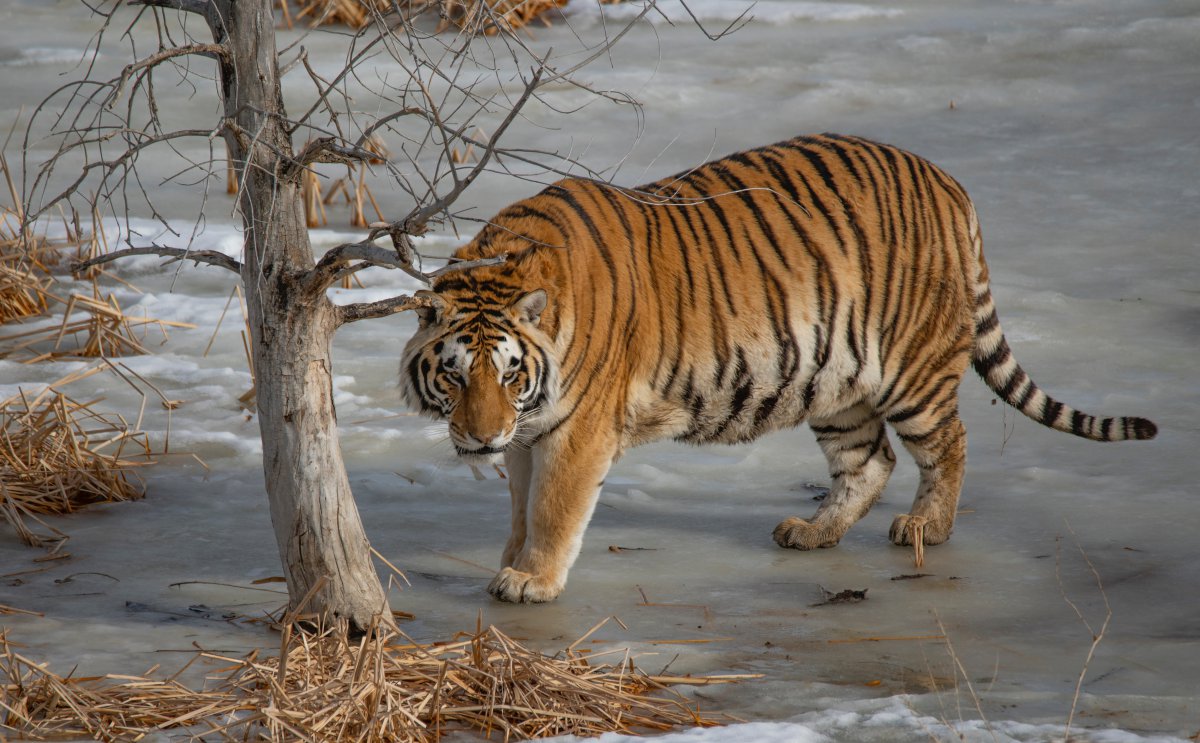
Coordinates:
<point>771,283</point>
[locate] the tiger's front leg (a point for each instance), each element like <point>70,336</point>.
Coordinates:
<point>568,467</point>
<point>520,471</point>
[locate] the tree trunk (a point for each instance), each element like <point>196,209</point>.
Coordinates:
<point>319,533</point>
<point>320,536</point>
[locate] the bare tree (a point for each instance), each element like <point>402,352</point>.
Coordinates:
<point>449,85</point>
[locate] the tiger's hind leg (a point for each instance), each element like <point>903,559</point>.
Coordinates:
<point>860,462</point>
<point>937,441</point>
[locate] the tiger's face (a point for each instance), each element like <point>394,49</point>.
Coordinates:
<point>482,366</point>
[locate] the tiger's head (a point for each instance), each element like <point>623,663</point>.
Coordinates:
<point>479,361</point>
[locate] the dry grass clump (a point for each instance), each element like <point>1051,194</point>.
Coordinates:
<point>27,289</point>
<point>324,688</point>
<point>24,283</point>
<point>352,13</point>
<point>58,454</point>
<point>23,291</point>
<point>489,17</point>
<point>486,17</point>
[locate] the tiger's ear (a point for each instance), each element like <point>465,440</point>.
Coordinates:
<point>529,308</point>
<point>433,314</point>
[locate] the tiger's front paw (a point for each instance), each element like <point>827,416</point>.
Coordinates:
<point>908,529</point>
<point>524,588</point>
<point>796,533</point>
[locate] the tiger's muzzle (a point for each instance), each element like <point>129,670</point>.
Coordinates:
<point>480,448</point>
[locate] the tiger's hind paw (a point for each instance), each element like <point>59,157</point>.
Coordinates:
<point>796,533</point>
<point>517,587</point>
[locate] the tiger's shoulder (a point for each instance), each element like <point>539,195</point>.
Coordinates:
<point>551,219</point>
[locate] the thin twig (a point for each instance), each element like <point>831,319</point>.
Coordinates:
<point>1097,636</point>
<point>963,672</point>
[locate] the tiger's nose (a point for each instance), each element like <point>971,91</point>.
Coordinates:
<point>486,439</point>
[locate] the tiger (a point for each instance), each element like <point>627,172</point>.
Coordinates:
<point>827,278</point>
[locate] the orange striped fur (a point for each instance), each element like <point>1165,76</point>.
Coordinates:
<point>826,279</point>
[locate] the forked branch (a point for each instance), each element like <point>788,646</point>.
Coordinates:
<point>449,106</point>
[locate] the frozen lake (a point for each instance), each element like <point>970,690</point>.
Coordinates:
<point>1075,125</point>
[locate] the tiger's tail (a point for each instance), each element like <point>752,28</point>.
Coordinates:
<point>994,361</point>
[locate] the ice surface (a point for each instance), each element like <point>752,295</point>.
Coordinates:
<point>726,11</point>
<point>1073,126</point>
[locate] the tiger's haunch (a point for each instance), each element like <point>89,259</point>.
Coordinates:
<point>826,279</point>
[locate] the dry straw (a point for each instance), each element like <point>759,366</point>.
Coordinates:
<point>100,328</point>
<point>23,291</point>
<point>58,454</point>
<point>352,13</point>
<point>489,17</point>
<point>104,330</point>
<point>24,282</point>
<point>474,16</point>
<point>381,687</point>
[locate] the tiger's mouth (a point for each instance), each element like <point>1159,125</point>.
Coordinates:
<point>482,455</point>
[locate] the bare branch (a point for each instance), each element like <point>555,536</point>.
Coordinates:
<point>326,150</point>
<point>385,120</point>
<point>415,222</point>
<point>323,274</point>
<point>333,264</point>
<point>337,80</point>
<point>467,265</point>
<point>436,104</point>
<point>218,52</point>
<point>200,7</point>
<point>108,167</point>
<point>736,24</point>
<point>348,313</point>
<point>209,257</point>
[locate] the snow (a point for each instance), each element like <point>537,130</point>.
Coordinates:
<point>1072,126</point>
